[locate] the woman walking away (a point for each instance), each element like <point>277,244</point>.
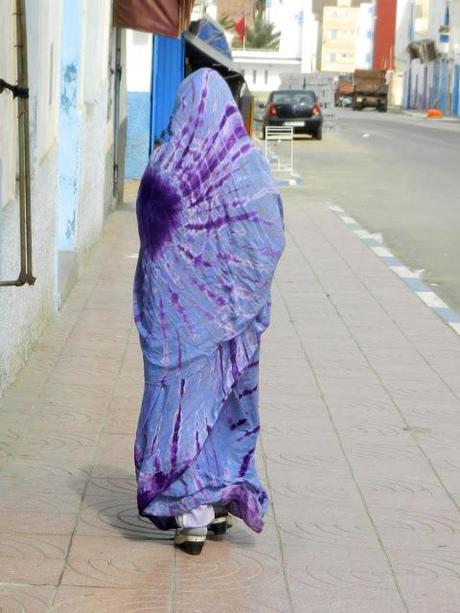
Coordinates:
<point>211,233</point>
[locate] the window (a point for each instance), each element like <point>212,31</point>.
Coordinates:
<point>301,98</point>
<point>333,57</point>
<point>254,76</point>
<point>333,34</point>
<point>265,77</point>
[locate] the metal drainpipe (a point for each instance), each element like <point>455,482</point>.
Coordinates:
<point>22,92</point>
<point>116,112</point>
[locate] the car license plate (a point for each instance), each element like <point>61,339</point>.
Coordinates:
<point>294,124</point>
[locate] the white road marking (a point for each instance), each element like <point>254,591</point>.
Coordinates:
<point>404,272</point>
<point>432,300</point>
<point>364,234</point>
<point>382,252</point>
<point>348,220</point>
<point>429,298</point>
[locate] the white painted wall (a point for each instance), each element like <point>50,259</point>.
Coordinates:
<point>139,61</point>
<point>24,311</point>
<point>7,108</point>
<point>295,21</point>
<point>266,66</point>
<point>97,135</point>
<point>364,41</point>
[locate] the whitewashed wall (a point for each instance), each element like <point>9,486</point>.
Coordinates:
<point>364,41</point>
<point>25,311</point>
<point>268,67</point>
<point>95,125</point>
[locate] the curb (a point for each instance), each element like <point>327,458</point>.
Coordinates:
<point>426,295</point>
<point>293,180</point>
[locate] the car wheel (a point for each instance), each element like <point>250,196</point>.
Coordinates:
<point>263,132</point>
<point>318,135</point>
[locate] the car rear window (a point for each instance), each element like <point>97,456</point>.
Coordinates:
<point>307,98</point>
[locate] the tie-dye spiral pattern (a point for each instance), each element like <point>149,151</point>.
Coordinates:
<point>211,233</point>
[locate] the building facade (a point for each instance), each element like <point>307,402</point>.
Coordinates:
<point>340,35</point>
<point>77,121</point>
<point>384,34</point>
<point>297,51</point>
<point>427,55</point>
<point>365,36</point>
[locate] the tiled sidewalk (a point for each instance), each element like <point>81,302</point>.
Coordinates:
<point>361,422</point>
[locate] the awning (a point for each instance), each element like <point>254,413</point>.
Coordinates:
<point>166,17</point>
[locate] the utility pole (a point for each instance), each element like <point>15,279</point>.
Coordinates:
<point>411,33</point>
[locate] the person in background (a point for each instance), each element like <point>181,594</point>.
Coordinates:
<point>211,234</point>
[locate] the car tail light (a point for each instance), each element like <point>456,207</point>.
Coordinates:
<point>316,110</point>
<point>272,110</point>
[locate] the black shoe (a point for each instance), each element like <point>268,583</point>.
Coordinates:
<point>222,522</point>
<point>191,540</point>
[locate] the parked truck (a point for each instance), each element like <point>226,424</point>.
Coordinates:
<point>370,89</point>
<point>343,92</point>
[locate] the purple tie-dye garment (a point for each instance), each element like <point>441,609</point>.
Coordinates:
<point>211,233</point>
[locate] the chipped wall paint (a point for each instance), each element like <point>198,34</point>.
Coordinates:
<point>69,124</point>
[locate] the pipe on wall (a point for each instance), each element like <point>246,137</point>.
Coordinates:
<point>21,92</point>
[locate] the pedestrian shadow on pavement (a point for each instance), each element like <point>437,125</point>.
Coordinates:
<point>109,507</point>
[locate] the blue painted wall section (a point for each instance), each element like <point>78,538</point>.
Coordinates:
<point>138,136</point>
<point>167,73</point>
<point>456,91</point>
<point>69,125</point>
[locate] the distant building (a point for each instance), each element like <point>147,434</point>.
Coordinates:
<point>427,55</point>
<point>297,52</point>
<point>234,9</point>
<point>365,36</point>
<point>340,34</point>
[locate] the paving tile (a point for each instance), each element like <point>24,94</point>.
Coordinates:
<point>33,599</point>
<point>233,575</point>
<point>119,517</point>
<point>32,559</point>
<point>45,474</point>
<point>76,396</point>
<point>72,599</point>
<point>383,377</point>
<point>119,562</point>
<point>429,580</point>
<point>29,522</point>
<point>17,496</point>
<point>65,446</point>
<point>348,572</point>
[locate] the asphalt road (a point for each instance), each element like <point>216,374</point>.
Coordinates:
<point>398,176</point>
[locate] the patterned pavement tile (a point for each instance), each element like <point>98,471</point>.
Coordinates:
<point>72,599</point>
<point>26,598</point>
<point>119,562</point>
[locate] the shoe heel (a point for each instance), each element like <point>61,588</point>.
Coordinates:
<point>219,529</point>
<point>194,549</point>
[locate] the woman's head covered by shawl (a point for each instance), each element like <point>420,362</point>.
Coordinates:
<point>209,219</point>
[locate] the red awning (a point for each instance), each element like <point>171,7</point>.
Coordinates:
<point>167,17</point>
